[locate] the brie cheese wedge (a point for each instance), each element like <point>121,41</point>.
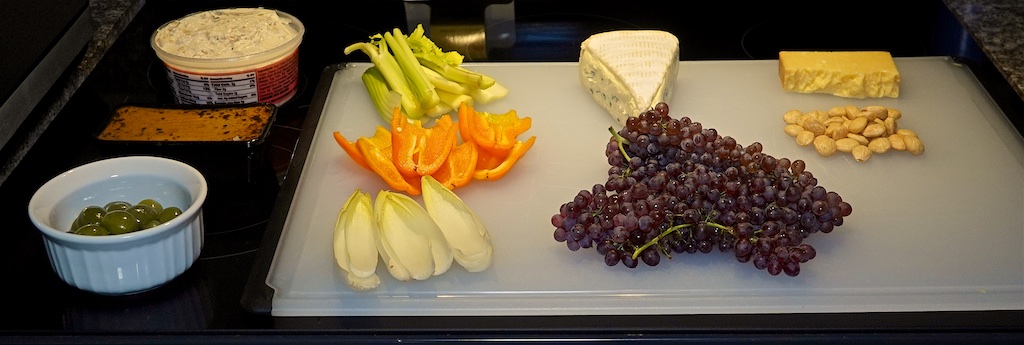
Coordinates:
<point>629,71</point>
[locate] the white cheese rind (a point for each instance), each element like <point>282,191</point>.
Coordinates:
<point>629,71</point>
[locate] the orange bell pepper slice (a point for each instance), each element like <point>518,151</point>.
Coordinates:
<point>418,151</point>
<point>492,132</point>
<point>376,151</point>
<point>517,151</point>
<point>465,114</point>
<point>460,166</point>
<point>351,149</point>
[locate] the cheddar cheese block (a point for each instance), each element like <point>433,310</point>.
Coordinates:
<point>858,74</point>
<point>629,71</point>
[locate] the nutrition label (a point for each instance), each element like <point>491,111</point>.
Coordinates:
<point>274,83</point>
<point>220,89</point>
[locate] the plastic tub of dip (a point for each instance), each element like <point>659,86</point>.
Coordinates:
<point>231,56</point>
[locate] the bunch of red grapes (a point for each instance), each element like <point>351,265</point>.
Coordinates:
<point>676,187</point>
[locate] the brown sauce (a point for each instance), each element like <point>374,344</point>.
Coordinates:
<point>139,123</point>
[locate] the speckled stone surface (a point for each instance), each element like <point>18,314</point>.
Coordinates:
<point>109,18</point>
<point>998,28</point>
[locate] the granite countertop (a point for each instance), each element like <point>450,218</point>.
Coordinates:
<point>997,26</point>
<point>109,18</point>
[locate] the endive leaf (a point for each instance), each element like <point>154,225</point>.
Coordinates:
<point>354,242</point>
<point>413,244</point>
<point>394,267</point>
<point>406,253</point>
<point>362,283</point>
<point>466,234</point>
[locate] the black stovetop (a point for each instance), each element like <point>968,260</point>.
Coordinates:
<point>204,303</point>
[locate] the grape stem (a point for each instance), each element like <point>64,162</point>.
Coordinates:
<point>636,253</point>
<point>670,230</point>
<point>720,226</point>
<point>619,139</point>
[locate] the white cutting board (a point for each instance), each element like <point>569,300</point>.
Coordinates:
<point>939,232</point>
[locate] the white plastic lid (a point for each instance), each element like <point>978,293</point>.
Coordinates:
<point>235,63</point>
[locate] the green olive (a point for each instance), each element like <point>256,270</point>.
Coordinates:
<point>120,217</point>
<point>152,203</point>
<point>91,215</point>
<point>168,214</point>
<point>151,224</point>
<point>120,222</point>
<point>117,205</point>
<point>92,230</point>
<point>143,213</point>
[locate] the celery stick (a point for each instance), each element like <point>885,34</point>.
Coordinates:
<point>488,95</point>
<point>454,100</point>
<point>384,99</point>
<point>428,79</point>
<point>448,71</point>
<point>440,109</point>
<point>448,64</point>
<point>389,69</point>
<point>423,45</point>
<point>421,88</point>
<point>410,103</point>
<point>485,81</point>
<point>443,84</point>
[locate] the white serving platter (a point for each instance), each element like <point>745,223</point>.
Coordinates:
<point>939,232</point>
